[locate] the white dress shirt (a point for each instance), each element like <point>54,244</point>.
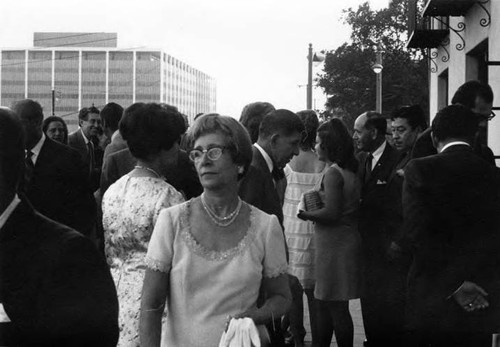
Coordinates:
<point>454,143</point>
<point>378,153</point>
<point>37,148</point>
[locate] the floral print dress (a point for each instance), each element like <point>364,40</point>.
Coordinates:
<point>130,209</point>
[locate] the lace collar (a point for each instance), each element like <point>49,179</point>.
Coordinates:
<point>209,254</point>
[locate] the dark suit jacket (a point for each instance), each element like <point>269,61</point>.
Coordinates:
<point>55,287</point>
<point>257,187</point>
<point>423,147</point>
<point>59,187</point>
<point>373,216</point>
<point>76,141</point>
<point>182,177</point>
<point>452,211</point>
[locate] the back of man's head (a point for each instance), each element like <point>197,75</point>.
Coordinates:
<point>455,122</point>
<point>29,110</point>
<point>111,115</point>
<point>252,115</point>
<point>11,150</point>
<point>467,93</point>
<point>280,121</point>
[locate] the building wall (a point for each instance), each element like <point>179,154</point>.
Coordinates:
<point>84,76</point>
<point>460,66</point>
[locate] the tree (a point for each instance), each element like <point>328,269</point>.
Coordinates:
<point>347,77</point>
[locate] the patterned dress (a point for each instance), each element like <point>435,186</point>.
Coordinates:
<point>205,285</point>
<point>130,208</point>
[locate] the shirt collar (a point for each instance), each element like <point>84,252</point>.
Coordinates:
<point>266,156</point>
<point>115,135</point>
<point>8,211</point>
<point>378,153</point>
<point>454,143</point>
<point>84,137</point>
<point>37,148</point>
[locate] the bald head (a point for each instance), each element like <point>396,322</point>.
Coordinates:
<point>369,131</point>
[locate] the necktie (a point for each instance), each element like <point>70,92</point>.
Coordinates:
<point>29,167</point>
<point>278,174</point>
<point>90,147</point>
<point>368,167</point>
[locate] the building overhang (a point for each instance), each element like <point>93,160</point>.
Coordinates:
<point>427,38</point>
<point>443,8</point>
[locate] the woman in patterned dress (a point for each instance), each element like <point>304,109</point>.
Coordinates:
<point>132,204</point>
<point>209,257</point>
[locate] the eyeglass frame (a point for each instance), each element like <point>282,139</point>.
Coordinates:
<point>488,117</point>
<point>206,151</point>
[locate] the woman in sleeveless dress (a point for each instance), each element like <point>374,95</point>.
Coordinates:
<point>302,174</point>
<point>337,241</point>
<point>209,257</point>
<point>132,204</point>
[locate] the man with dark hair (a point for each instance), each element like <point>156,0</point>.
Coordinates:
<point>264,184</point>
<point>110,117</point>
<point>55,289</point>
<point>55,179</point>
<point>252,115</point>
<point>86,141</point>
<point>377,161</point>
<point>478,97</point>
<point>451,204</point>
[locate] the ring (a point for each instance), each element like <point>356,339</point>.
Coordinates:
<point>470,305</point>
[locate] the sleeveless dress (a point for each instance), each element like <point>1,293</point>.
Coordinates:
<point>207,286</point>
<point>299,233</point>
<point>338,246</point>
<point>130,208</point>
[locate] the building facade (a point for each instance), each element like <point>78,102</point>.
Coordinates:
<point>461,39</point>
<point>68,71</point>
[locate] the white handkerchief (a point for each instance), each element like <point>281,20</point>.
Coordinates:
<point>3,315</point>
<point>241,332</point>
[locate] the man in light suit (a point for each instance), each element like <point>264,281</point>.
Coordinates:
<point>86,142</point>
<point>56,181</point>
<point>377,161</point>
<point>55,289</point>
<point>452,221</point>
<point>110,117</point>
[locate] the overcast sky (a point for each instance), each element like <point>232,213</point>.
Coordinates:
<point>255,49</point>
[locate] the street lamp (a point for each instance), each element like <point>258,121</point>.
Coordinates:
<point>377,68</point>
<point>311,58</point>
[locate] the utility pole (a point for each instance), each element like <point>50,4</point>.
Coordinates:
<point>53,102</point>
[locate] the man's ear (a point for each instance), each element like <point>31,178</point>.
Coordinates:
<point>435,141</point>
<point>274,138</point>
<point>374,133</point>
<point>80,121</point>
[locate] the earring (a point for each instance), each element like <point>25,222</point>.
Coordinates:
<point>240,169</point>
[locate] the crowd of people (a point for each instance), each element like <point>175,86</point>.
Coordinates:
<point>140,229</point>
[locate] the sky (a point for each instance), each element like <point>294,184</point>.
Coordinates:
<point>255,49</point>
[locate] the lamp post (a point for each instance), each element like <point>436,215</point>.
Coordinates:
<point>377,68</point>
<point>311,58</point>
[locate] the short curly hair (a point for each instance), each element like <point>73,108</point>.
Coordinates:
<point>238,139</point>
<point>252,115</point>
<point>149,128</point>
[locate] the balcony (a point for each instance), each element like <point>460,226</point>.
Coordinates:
<point>425,32</point>
<point>452,8</point>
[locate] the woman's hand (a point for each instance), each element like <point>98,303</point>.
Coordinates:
<point>303,215</point>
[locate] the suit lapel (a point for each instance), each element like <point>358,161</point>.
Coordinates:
<point>381,166</point>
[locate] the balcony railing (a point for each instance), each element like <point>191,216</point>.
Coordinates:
<point>425,32</point>
<point>452,8</point>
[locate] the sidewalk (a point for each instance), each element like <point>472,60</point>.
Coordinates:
<point>359,331</point>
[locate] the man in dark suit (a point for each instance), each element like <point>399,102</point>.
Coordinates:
<point>264,184</point>
<point>478,97</point>
<point>55,289</point>
<point>377,161</point>
<point>451,211</point>
<point>110,117</point>
<point>86,142</point>
<point>55,180</point>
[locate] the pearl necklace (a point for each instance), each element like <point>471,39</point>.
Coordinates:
<point>147,169</point>
<point>221,221</point>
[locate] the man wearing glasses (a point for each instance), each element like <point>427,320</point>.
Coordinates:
<point>478,97</point>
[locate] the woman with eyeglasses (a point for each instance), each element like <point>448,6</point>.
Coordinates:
<point>209,256</point>
<point>132,204</point>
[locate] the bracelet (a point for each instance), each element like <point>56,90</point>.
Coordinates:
<point>161,307</point>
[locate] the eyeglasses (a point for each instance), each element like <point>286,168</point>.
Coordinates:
<point>487,117</point>
<point>213,153</point>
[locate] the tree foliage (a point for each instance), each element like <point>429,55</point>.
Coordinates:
<point>348,78</point>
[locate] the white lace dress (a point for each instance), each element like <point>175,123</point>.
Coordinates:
<point>130,208</point>
<point>206,286</point>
